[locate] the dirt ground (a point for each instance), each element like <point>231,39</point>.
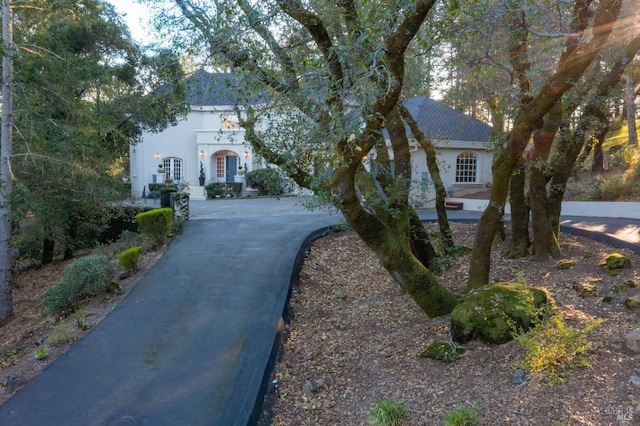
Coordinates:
<point>32,329</point>
<point>355,338</point>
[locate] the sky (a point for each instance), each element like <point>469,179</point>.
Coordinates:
<point>135,16</point>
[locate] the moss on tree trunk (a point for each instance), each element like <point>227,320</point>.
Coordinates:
<point>519,245</point>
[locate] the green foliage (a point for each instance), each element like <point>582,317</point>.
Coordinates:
<point>552,347</point>
<point>626,156</point>
<point>267,181</point>
<point>462,416</point>
<point>201,170</point>
<point>223,189</point>
<point>165,196</point>
<point>613,189</point>
<point>129,259</point>
<point>156,224</point>
<point>65,332</point>
<point>87,276</point>
<point>386,413</point>
<point>446,352</point>
<point>42,353</point>
<point>161,186</point>
<point>77,120</point>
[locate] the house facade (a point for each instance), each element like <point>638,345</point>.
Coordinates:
<point>209,142</point>
<point>464,151</point>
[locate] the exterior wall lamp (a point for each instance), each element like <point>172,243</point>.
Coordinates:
<point>201,154</point>
<point>157,156</point>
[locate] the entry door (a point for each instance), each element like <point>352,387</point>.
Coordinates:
<point>232,166</point>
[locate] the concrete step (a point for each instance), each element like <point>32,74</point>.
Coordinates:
<point>197,193</point>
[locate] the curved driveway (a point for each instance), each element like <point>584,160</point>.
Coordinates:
<point>191,343</point>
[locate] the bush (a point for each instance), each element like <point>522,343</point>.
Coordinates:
<point>129,259</point>
<point>223,189</point>
<point>122,220</point>
<point>87,276</point>
<point>553,347</point>
<point>462,416</point>
<point>386,413</point>
<point>267,181</point>
<point>165,196</point>
<point>159,186</point>
<point>156,224</point>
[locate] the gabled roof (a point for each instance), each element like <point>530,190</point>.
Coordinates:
<point>208,89</point>
<point>441,123</point>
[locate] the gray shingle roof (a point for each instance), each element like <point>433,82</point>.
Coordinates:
<point>439,122</point>
<point>207,89</point>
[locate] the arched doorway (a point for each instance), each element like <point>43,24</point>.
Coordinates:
<point>225,165</point>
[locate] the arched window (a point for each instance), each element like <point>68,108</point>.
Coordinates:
<point>173,168</point>
<point>467,168</point>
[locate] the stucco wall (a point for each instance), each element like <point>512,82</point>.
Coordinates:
<point>199,131</point>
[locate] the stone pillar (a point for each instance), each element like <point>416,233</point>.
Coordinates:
<point>180,201</point>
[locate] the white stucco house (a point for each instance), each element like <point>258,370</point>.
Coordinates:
<point>210,139</point>
<point>464,150</point>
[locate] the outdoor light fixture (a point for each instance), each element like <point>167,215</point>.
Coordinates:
<point>201,153</point>
<point>157,155</point>
<point>245,154</point>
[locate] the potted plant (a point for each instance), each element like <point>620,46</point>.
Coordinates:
<point>201,177</point>
<point>240,171</point>
<point>160,168</point>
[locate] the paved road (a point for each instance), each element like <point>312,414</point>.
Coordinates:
<point>191,343</point>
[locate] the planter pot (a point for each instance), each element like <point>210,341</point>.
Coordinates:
<point>201,179</point>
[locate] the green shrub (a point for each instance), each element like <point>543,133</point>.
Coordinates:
<point>462,416</point>
<point>386,413</point>
<point>156,224</point>
<point>65,332</point>
<point>159,186</point>
<point>165,196</point>
<point>223,189</point>
<point>624,156</point>
<point>267,181</point>
<point>87,276</point>
<point>129,258</point>
<point>553,346</point>
<point>612,189</point>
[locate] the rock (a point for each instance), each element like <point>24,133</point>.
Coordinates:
<point>564,264</point>
<point>635,380</point>
<point>491,313</point>
<point>633,340</point>
<point>518,377</point>
<point>308,389</point>
<point>442,351</point>
<point>616,261</point>
<point>624,286</point>
<point>632,302</point>
<point>12,382</point>
<point>588,290</point>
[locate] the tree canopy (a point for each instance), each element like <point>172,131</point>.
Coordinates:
<point>83,91</point>
<point>338,72</point>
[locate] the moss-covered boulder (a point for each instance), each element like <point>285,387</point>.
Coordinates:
<point>564,264</point>
<point>616,261</point>
<point>632,302</point>
<point>624,286</point>
<point>491,313</point>
<point>442,351</point>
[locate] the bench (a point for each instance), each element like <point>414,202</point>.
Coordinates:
<point>453,205</point>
